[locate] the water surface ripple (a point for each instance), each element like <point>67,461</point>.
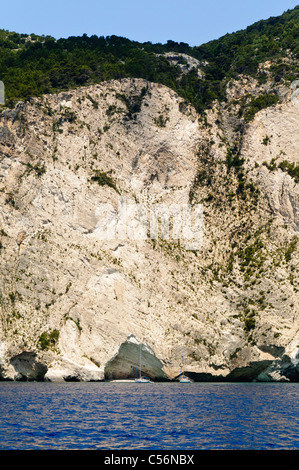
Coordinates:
<point>148,416</point>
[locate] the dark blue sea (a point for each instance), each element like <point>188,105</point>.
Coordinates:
<point>116,416</point>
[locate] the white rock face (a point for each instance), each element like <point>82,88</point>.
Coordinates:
<point>133,360</point>
<point>77,306</point>
<point>274,137</point>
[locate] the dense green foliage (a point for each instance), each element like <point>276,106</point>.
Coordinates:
<point>34,65</point>
<point>241,52</point>
<point>48,339</point>
<point>104,178</point>
<point>289,167</point>
<point>256,104</point>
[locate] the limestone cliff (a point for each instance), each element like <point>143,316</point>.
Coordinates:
<point>75,306</point>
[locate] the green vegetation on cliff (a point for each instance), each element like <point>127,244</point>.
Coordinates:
<point>32,65</point>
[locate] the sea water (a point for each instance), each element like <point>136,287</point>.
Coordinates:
<point>108,415</point>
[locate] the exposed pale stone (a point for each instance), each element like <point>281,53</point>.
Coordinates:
<point>95,294</point>
<point>127,360</point>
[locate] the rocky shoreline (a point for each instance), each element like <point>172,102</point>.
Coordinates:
<point>122,368</point>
